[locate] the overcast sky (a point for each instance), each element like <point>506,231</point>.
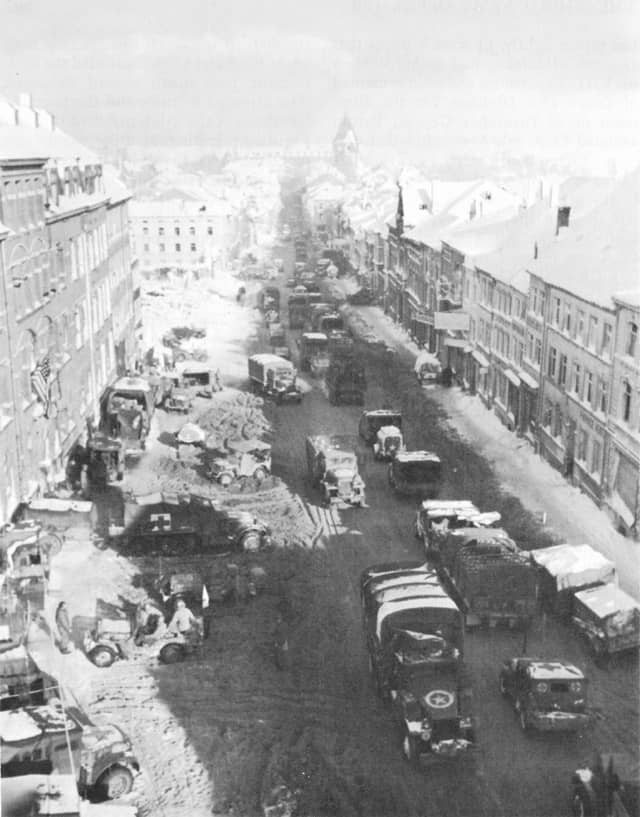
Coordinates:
<point>438,75</point>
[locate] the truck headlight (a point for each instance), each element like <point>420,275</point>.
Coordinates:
<point>425,730</point>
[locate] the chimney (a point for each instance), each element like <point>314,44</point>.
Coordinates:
<point>46,120</point>
<point>26,115</point>
<point>563,218</point>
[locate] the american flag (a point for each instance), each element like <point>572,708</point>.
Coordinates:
<point>40,382</point>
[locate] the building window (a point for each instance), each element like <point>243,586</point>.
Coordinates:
<point>146,248</point>
<point>160,230</point>
<point>588,387</point>
<point>562,370</point>
<point>177,247</point>
<point>161,247</point>
<point>553,355</point>
<point>209,230</point>
<point>176,230</point>
<point>557,422</point>
<point>583,440</point>
<point>632,340</point>
<point>606,339</point>
<point>580,326</point>
<point>602,398</point>
<point>145,231</point>
<point>626,401</point>
<point>193,248</point>
<point>556,311</point>
<point>530,345</point>
<point>591,334</point>
<point>576,378</point>
<point>547,414</point>
<point>538,357</point>
<point>192,230</point>
<point>596,457</point>
<point>566,323</point>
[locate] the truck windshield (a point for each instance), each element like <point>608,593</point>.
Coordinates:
<point>427,471</point>
<point>129,396</point>
<point>331,324</point>
<point>341,460</point>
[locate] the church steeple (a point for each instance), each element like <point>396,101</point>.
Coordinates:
<point>345,149</point>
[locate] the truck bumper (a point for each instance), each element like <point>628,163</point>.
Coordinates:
<point>558,721</point>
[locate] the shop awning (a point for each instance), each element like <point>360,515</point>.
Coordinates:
<point>480,358</point>
<point>512,377</point>
<point>529,382</point>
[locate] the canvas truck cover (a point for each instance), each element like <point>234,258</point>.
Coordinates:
<point>425,604</point>
<point>575,565</point>
<point>609,602</point>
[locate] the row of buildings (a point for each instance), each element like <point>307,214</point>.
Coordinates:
<point>69,305</point>
<point>528,290</point>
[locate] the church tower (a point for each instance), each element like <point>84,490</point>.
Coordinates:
<point>345,149</point>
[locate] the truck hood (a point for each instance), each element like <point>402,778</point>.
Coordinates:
<point>340,475</point>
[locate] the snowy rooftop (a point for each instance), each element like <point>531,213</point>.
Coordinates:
<point>603,245</point>
<point>179,207</point>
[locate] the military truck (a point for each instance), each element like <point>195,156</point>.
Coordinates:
<point>314,352</point>
<point>435,518</point>
<point>299,305</point>
<point>491,581</point>
<point>416,473</point>
<point>329,322</point>
<point>274,377</point>
<point>608,618</point>
<point>39,739</point>
<point>373,420</point>
<point>564,570</point>
<point>346,381</point>
<point>333,467</point>
<point>415,641</point>
<point>341,344</point>
<point>608,787</point>
<point>128,410</point>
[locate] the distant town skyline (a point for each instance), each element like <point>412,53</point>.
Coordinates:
<point>539,77</point>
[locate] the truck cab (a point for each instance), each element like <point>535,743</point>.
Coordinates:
<point>388,443</point>
<point>333,466</point>
<point>37,740</point>
<point>432,702</point>
<point>609,619</point>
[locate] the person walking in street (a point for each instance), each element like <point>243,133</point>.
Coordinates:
<point>63,625</point>
<point>150,624</point>
<point>183,623</point>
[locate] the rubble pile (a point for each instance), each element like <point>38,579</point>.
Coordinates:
<point>235,415</point>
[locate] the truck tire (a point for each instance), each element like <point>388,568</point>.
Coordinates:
<point>260,474</point>
<point>410,748</point>
<point>102,656</point>
<point>250,541</point>
<point>172,653</point>
<point>225,480</point>
<point>115,782</point>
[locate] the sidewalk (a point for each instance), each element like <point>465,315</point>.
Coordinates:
<point>571,515</point>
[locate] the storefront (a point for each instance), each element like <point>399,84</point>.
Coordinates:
<point>479,375</point>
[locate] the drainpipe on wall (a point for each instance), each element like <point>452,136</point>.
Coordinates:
<point>17,425</point>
